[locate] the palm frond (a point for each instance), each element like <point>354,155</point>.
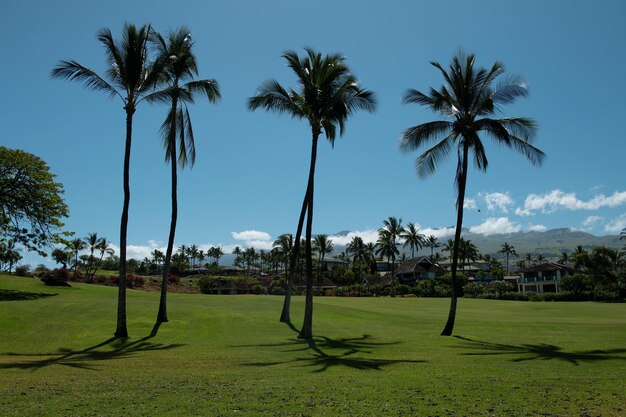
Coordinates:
<point>208,88</point>
<point>273,97</point>
<point>510,89</point>
<point>187,153</point>
<point>73,71</point>
<point>416,136</point>
<point>426,164</point>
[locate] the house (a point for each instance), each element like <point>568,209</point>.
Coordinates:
<point>413,270</point>
<point>543,278</point>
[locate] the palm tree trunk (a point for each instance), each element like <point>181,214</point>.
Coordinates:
<point>307,325</point>
<point>285,316</point>
<point>162,313</point>
<point>121,329</point>
<point>447,330</point>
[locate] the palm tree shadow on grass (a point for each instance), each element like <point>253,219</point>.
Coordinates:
<point>529,352</point>
<point>119,349</point>
<point>16,295</point>
<point>324,353</point>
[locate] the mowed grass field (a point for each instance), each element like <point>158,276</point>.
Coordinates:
<point>229,356</point>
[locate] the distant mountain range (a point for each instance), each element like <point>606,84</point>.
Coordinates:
<point>549,243</point>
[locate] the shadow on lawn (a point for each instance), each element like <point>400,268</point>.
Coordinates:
<point>324,353</point>
<point>539,351</point>
<point>15,295</point>
<point>120,348</point>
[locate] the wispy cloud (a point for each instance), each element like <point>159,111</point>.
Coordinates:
<point>557,199</point>
<point>469,203</point>
<point>536,228</point>
<point>616,225</point>
<point>368,236</point>
<point>592,221</point>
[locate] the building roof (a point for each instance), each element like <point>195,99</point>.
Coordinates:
<point>417,265</point>
<point>548,266</point>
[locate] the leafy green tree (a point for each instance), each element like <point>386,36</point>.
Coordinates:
<point>130,77</point>
<point>467,101</point>
<point>9,255</point>
<point>76,245</point>
<point>508,250</point>
<point>31,203</point>
<point>61,256</point>
<point>413,238</point>
<point>328,94</point>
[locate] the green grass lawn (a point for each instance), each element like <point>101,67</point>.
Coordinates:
<point>229,356</point>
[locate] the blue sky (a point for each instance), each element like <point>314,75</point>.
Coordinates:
<point>248,182</point>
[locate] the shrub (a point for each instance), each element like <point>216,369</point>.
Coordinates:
<point>277,291</point>
<point>259,289</point>
<point>173,279</point>
<point>329,293</point>
<point>22,270</point>
<point>57,277</point>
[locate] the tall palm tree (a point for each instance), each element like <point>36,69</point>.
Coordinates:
<point>104,247</point>
<point>130,77</point>
<point>386,247</point>
<point>394,226</point>
<point>431,242</point>
<point>467,101</point>
<point>508,250</point>
<point>92,242</point>
<point>328,93</point>
<point>179,70</point>
<point>413,238</point>
<point>323,246</point>
<point>76,245</point>
<point>284,244</point>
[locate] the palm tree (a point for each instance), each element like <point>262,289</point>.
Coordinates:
<point>431,242</point>
<point>393,225</point>
<point>327,95</point>
<point>284,244</point>
<point>217,254</point>
<point>130,77</point>
<point>413,238</point>
<point>92,241</point>
<point>387,248</point>
<point>76,245</point>
<point>179,70</point>
<point>104,247</point>
<point>467,101</point>
<point>468,252</point>
<point>508,250</point>
<point>322,245</point>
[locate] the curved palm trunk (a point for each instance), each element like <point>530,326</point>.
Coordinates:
<point>447,330</point>
<point>307,325</point>
<point>121,330</point>
<point>162,314</point>
<point>285,316</point>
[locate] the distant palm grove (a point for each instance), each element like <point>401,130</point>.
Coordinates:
<point>145,66</point>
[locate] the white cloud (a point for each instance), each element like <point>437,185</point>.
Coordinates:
<point>616,225</point>
<point>500,201</point>
<point>368,236</point>
<point>591,221</point>
<point>469,203</point>
<point>536,228</point>
<point>557,199</point>
<point>254,239</point>
<point>439,233</point>
<point>494,226</point>
<point>251,235</point>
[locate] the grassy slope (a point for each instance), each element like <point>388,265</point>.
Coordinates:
<point>228,355</point>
